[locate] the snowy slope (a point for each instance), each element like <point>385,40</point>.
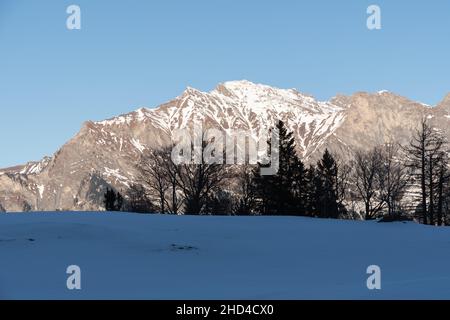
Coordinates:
<point>241,105</point>
<point>170,257</point>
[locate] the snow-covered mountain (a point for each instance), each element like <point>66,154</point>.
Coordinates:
<point>105,153</point>
<point>238,105</point>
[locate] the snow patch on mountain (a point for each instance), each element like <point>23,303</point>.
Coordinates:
<point>115,174</point>
<point>138,145</point>
<point>41,189</point>
<point>343,124</point>
<point>240,105</point>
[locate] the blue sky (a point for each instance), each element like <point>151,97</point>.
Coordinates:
<point>142,53</point>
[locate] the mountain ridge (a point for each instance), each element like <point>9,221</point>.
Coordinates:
<point>103,153</point>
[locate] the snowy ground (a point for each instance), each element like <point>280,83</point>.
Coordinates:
<point>124,256</point>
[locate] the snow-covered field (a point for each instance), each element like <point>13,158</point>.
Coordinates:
<point>126,256</point>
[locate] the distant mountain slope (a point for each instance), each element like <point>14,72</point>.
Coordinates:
<point>104,153</point>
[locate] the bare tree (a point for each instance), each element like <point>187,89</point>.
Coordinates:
<point>434,161</point>
<point>173,198</point>
<point>423,156</point>
<point>199,181</point>
<point>137,200</point>
<point>442,186</point>
<point>393,178</point>
<point>153,177</point>
<point>159,175</point>
<point>366,179</point>
<point>246,201</point>
<point>444,215</point>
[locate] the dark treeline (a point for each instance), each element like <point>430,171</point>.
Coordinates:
<point>390,181</point>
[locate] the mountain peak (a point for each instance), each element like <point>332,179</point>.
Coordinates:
<point>104,154</point>
<point>249,91</point>
<point>240,83</point>
<point>190,89</point>
<point>248,85</point>
<point>446,101</point>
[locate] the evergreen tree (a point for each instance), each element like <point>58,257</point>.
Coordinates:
<point>263,191</point>
<point>282,193</point>
<point>113,201</point>
<point>311,192</point>
<point>110,200</point>
<point>119,202</point>
<point>220,204</point>
<point>327,171</point>
<point>301,184</point>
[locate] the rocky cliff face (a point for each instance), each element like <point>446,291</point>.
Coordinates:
<point>104,153</point>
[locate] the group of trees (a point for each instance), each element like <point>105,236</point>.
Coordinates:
<point>405,181</point>
<point>316,191</point>
<point>374,183</point>
<point>113,201</point>
<point>380,180</point>
<point>427,155</point>
<point>211,188</point>
<point>166,188</point>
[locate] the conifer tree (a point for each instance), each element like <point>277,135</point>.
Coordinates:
<point>119,202</point>
<point>110,200</point>
<point>327,171</point>
<point>301,184</point>
<point>311,193</point>
<point>282,193</point>
<point>113,201</point>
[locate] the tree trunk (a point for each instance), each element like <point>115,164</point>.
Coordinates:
<point>368,217</point>
<point>174,199</point>
<point>423,186</point>
<point>163,208</point>
<point>431,187</point>
<point>440,200</point>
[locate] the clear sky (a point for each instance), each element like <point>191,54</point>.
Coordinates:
<point>137,53</point>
